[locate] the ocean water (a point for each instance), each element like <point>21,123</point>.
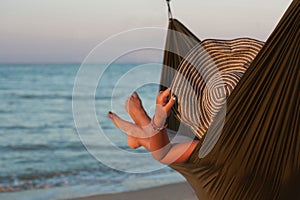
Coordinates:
<point>41,154</point>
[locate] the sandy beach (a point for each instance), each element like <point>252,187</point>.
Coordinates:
<point>178,191</point>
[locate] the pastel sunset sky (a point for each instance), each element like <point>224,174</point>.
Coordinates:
<point>67,30</point>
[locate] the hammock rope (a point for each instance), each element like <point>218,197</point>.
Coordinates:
<point>169,10</point>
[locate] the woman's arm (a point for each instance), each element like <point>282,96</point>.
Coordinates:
<point>161,148</point>
<point>179,153</point>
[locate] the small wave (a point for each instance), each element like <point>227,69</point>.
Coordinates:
<point>16,127</point>
<point>42,96</point>
<point>41,147</point>
<point>6,111</point>
<point>30,186</point>
<point>40,127</point>
<point>26,147</point>
<point>58,96</point>
<point>93,175</point>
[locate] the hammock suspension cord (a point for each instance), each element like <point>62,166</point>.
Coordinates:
<point>169,9</point>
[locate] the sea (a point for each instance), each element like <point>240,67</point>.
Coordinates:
<point>43,154</point>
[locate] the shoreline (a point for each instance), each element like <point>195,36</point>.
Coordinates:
<point>176,191</point>
<point>165,187</point>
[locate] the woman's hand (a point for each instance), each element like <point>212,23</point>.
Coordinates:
<point>164,103</point>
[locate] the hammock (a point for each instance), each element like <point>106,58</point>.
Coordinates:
<point>179,42</point>
<point>257,155</point>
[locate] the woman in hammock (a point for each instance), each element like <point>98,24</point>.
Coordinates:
<point>152,133</point>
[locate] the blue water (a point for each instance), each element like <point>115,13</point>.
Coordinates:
<point>39,145</point>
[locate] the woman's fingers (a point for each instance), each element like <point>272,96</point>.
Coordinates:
<point>164,100</point>
<point>167,92</point>
<point>163,97</point>
<point>170,104</point>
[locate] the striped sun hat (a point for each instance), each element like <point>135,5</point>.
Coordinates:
<point>207,76</point>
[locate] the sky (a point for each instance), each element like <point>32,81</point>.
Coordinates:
<point>52,31</point>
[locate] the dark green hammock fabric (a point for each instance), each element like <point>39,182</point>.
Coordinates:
<point>258,153</point>
<point>180,41</point>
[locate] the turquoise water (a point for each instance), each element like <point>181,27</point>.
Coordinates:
<point>39,145</point>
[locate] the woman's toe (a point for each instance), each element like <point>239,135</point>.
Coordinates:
<point>127,105</point>
<point>135,95</point>
<point>110,115</point>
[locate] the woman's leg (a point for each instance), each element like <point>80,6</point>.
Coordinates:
<point>161,148</point>
<point>135,109</point>
<point>157,143</point>
<point>139,134</point>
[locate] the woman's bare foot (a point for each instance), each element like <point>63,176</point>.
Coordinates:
<point>136,110</point>
<point>132,141</point>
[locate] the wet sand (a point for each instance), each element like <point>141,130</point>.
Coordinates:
<point>178,191</point>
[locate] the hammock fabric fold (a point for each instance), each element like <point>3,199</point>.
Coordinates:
<point>180,41</point>
<point>257,155</point>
